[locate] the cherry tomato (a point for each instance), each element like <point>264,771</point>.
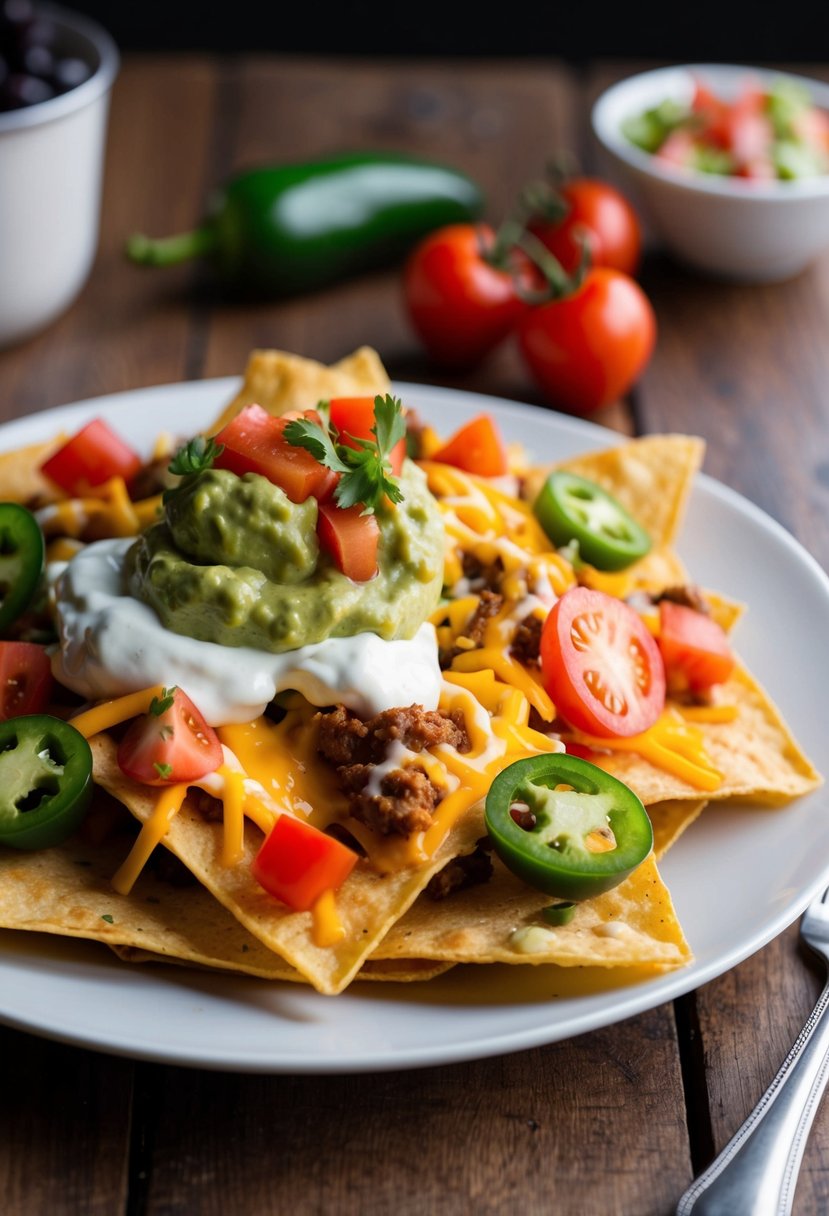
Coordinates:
<point>354,417</point>
<point>351,538</point>
<point>171,743</point>
<point>694,648</point>
<point>298,862</point>
<point>601,666</point>
<point>254,442</point>
<point>25,679</point>
<point>599,216</point>
<point>460,305</point>
<point>90,458</point>
<point>585,350</point>
<point>476,448</point>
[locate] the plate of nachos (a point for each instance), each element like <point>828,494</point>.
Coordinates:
<point>420,726</point>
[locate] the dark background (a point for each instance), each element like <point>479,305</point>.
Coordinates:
<point>684,30</point>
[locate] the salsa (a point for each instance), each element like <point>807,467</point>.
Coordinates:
<point>773,134</point>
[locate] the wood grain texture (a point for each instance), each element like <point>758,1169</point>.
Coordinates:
<point>581,1129</point>
<point>64,1129</point>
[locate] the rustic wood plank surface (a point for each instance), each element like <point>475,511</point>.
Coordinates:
<point>615,1121</point>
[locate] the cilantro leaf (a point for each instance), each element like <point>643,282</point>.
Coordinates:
<point>160,705</point>
<point>196,456</point>
<point>110,920</point>
<point>365,471</point>
<point>164,770</point>
<point>302,433</point>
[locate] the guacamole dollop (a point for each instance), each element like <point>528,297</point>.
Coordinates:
<point>234,561</point>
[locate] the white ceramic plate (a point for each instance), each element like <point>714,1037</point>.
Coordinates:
<point>738,876</point>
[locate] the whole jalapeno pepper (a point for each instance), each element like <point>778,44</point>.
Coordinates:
<point>291,228</point>
<point>45,781</point>
<point>21,560</point>
<point>565,826</point>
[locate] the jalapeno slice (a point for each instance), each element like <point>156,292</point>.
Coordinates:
<point>21,560</point>
<point>570,507</point>
<point>565,826</point>
<point>45,781</point>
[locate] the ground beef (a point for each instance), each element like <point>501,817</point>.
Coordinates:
<point>405,804</point>
<point>406,798</point>
<point>462,872</point>
<point>526,642</point>
<point>211,809</point>
<point>489,605</point>
<point>688,596</point>
<point>344,739</point>
<point>153,478</point>
<point>482,576</point>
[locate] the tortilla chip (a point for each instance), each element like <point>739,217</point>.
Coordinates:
<point>633,924</point>
<point>758,757</point>
<point>651,477</point>
<point>20,477</point>
<point>670,819</point>
<point>368,903</point>
<point>67,891</point>
<point>280,382</point>
<point>385,970</point>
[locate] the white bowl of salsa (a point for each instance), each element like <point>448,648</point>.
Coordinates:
<point>720,218</point>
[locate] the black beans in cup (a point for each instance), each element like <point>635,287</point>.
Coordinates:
<point>32,65</point>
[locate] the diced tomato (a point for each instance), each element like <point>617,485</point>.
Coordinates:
<point>678,149</point>
<point>352,539</point>
<point>694,648</point>
<point>298,862</point>
<point>476,448</point>
<point>173,746</point>
<point>354,417</point>
<point>601,666</point>
<point>25,679</point>
<point>254,442</point>
<point>90,458</point>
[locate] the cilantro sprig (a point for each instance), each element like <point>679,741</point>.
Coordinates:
<point>160,705</point>
<point>195,456</point>
<point>365,470</point>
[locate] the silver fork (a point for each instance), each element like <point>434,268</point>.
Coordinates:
<point>756,1173</point>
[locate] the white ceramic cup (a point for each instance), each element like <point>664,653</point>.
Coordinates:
<point>51,168</point>
<point>751,231</point>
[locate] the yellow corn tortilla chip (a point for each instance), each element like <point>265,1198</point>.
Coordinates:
<point>271,967</point>
<point>756,753</point>
<point>280,382</point>
<point>651,477</point>
<point>633,924</point>
<point>20,477</point>
<point>67,891</point>
<point>368,903</point>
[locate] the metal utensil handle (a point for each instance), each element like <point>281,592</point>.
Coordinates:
<point>756,1173</point>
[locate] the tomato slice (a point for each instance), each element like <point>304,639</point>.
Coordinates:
<point>351,538</point>
<point>254,442</point>
<point>298,862</point>
<point>354,418</point>
<point>25,679</point>
<point>476,448</point>
<point>170,744</point>
<point>90,458</point>
<point>601,666</point>
<point>694,648</point>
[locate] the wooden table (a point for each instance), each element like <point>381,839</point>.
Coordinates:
<point>616,1121</point>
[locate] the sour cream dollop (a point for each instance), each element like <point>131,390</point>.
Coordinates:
<point>112,644</point>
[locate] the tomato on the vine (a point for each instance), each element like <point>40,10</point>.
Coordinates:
<point>596,215</point>
<point>587,348</point>
<point>601,665</point>
<point>463,295</point>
